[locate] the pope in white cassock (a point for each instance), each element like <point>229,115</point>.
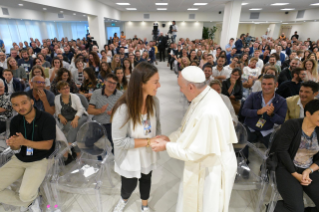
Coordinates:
<point>204,142</point>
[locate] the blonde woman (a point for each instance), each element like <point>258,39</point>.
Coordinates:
<point>184,62</point>
<point>116,62</point>
<point>311,66</point>
<point>204,60</point>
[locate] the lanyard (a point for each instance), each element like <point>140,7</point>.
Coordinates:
<point>25,129</point>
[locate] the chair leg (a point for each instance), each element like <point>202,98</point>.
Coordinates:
<point>99,201</point>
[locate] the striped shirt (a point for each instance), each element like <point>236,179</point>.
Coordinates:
<point>99,99</point>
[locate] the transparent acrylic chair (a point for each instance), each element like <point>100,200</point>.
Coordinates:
<point>44,191</point>
<point>85,176</point>
<point>248,179</point>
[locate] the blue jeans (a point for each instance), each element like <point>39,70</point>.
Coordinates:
<point>173,38</point>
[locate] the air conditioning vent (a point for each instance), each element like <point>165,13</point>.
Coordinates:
<point>60,16</point>
<point>300,14</point>
<point>146,16</point>
<point>192,16</point>
<point>5,11</point>
<point>254,15</point>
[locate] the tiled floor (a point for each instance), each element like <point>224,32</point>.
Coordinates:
<point>166,178</point>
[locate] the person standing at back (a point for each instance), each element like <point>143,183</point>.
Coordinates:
<point>174,31</point>
<point>239,44</point>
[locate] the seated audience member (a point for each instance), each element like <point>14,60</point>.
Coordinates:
<point>138,58</point>
<point>292,87</point>
<point>231,55</point>
<point>194,63</point>
<point>245,60</point>
<point>31,147</point>
<point>183,63</point>
<point>63,75</point>
<point>70,111</point>
<point>203,60</point>
<point>208,74</point>
<point>267,70</point>
<point>18,72</point>
<point>94,62</point>
<point>219,72</point>
<point>122,82</point>
<point>104,70</point>
<point>296,104</point>
<point>295,147</point>
<point>312,69</point>
<point>3,61</point>
<point>5,107</point>
<point>90,83</point>
<point>67,54</point>
<point>25,62</point>
<point>102,102</point>
<point>233,88</point>
<point>11,84</point>
<point>14,54</point>
<point>44,63</point>
<point>77,74</point>
<point>300,54</point>
<point>252,70</point>
<point>64,63</point>
<point>260,63</point>
<point>43,99</point>
<point>232,64</point>
<point>286,63</point>
<point>217,86</point>
<point>127,68</point>
<point>56,65</point>
<point>47,58</point>
<point>116,62</point>
<point>265,56</point>
<point>38,71</point>
<point>262,110</point>
<point>210,61</point>
<point>273,62</point>
<point>286,73</point>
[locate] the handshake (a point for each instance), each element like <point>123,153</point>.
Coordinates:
<point>158,143</point>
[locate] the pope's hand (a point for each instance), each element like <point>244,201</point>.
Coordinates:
<point>159,145</point>
<point>164,137</point>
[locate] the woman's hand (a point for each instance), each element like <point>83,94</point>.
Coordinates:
<point>63,120</point>
<point>299,177</point>
<point>164,137</point>
<point>305,177</point>
<point>74,122</point>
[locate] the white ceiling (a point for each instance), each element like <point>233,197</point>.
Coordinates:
<point>213,5</point>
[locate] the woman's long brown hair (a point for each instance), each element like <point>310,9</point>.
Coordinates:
<point>133,97</point>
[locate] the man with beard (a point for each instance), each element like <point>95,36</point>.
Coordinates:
<point>292,87</point>
<point>273,62</point>
<point>25,61</point>
<point>286,73</point>
<point>43,99</point>
<point>32,139</point>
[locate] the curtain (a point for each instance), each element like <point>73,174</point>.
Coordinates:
<point>22,30</point>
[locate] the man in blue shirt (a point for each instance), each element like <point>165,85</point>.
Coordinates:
<point>239,44</point>
<point>2,45</point>
<point>253,49</point>
<point>229,46</point>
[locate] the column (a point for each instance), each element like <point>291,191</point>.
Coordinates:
<point>274,30</point>
<point>97,30</point>
<point>230,22</point>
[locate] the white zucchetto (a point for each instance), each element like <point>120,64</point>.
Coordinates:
<point>193,74</point>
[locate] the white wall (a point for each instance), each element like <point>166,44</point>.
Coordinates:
<point>191,30</point>
<point>305,30</point>
<point>260,29</point>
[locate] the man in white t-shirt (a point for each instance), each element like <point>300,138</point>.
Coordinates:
<point>232,65</point>
<point>219,72</point>
<point>260,63</point>
<point>174,31</point>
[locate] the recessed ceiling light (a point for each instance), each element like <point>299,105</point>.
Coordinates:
<point>74,13</point>
<point>161,8</point>
<point>44,8</point>
<point>244,3</point>
<point>284,23</point>
<point>123,3</point>
<point>61,11</point>
<point>161,3</point>
<point>279,4</point>
<point>315,4</point>
<point>255,9</point>
<point>192,9</point>
<point>200,3</point>
<point>131,9</point>
<point>288,9</point>
<point>20,5</point>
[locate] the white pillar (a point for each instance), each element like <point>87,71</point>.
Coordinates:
<point>97,30</point>
<point>274,30</point>
<point>230,22</point>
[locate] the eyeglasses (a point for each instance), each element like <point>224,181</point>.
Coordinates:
<point>65,88</point>
<point>39,82</point>
<point>113,83</point>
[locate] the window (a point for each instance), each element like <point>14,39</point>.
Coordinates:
<point>111,30</point>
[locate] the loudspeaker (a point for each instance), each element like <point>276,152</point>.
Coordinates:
<point>163,25</point>
<point>220,12</point>
<point>286,13</point>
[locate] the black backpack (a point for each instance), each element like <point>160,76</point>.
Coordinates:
<point>170,29</point>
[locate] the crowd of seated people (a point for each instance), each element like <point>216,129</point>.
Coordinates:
<point>263,83</point>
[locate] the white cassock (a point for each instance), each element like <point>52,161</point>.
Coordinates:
<point>204,142</point>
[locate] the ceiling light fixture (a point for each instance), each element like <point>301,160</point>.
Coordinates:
<point>315,4</point>
<point>161,3</point>
<point>279,4</point>
<point>161,8</point>
<point>255,9</point>
<point>244,3</point>
<point>199,4</point>
<point>20,5</point>
<point>192,9</point>
<point>131,9</point>
<point>44,8</point>
<point>284,23</point>
<point>123,3</point>
<point>288,9</point>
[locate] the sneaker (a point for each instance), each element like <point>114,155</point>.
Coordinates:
<point>120,206</point>
<point>33,207</point>
<point>145,209</point>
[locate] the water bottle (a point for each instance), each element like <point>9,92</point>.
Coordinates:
<point>48,208</point>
